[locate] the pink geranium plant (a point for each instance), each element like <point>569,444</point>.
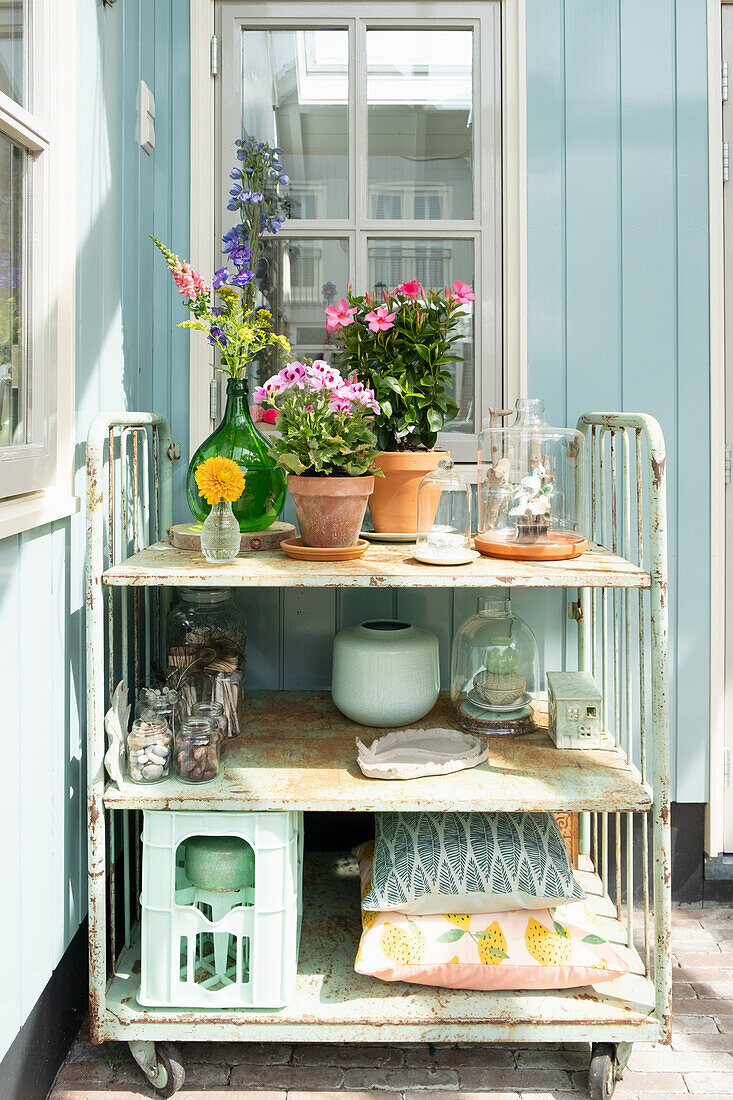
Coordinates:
<point>325,423</point>
<point>401,349</point>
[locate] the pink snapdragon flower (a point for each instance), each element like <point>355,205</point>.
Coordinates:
<point>380,320</point>
<point>339,316</point>
<point>188,281</point>
<point>411,289</point>
<point>461,293</point>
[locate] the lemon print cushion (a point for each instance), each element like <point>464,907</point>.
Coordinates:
<point>560,948</point>
<point>469,863</point>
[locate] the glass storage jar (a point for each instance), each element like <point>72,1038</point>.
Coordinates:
<point>149,747</point>
<point>197,751</point>
<point>531,488</point>
<point>444,517</point>
<point>206,634</point>
<point>494,671</point>
<point>165,702</point>
<point>215,713</point>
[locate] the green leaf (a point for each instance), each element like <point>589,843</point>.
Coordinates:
<point>423,352</point>
<point>292,463</point>
<point>451,936</point>
<point>435,419</point>
<point>560,930</point>
<point>594,939</point>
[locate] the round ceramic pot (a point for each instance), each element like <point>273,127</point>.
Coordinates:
<point>385,673</point>
<point>330,510</point>
<point>393,504</point>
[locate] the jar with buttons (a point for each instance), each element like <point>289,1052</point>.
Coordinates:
<point>197,750</point>
<point>215,713</point>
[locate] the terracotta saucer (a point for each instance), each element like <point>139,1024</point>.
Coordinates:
<point>559,546</point>
<point>294,549</point>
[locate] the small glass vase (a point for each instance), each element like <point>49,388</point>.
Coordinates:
<point>220,534</point>
<point>237,438</point>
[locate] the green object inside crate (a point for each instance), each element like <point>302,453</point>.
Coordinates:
<point>219,863</point>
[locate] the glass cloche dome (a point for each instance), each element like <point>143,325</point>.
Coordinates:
<point>531,488</point>
<point>495,671</point>
<point>444,517</point>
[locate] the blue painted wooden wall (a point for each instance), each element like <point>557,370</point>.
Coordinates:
<point>127,356</point>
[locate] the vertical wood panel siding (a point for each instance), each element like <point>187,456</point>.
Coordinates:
<point>128,355</point>
<point>618,272</point>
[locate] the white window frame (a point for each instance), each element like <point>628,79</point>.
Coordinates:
<point>36,479</point>
<point>210,16</point>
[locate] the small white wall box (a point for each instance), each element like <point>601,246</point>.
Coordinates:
<point>574,710</point>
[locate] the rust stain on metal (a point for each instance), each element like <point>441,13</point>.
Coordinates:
<point>658,468</point>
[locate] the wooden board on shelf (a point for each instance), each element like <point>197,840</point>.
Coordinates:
<point>335,1004</point>
<point>298,752</point>
<point>382,566</point>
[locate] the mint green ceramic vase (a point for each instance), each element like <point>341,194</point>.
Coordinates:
<point>385,673</point>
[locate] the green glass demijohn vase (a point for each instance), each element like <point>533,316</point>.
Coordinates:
<point>237,438</point>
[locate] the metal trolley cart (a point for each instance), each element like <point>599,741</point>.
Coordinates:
<point>621,793</point>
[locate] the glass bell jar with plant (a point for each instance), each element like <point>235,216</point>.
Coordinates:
<point>531,488</point>
<point>494,670</point>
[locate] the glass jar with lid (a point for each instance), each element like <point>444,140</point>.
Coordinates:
<point>164,701</point>
<point>197,750</point>
<point>206,636</point>
<point>215,713</point>
<point>149,748</point>
<point>444,517</point>
<point>494,670</point>
<point>531,488</point>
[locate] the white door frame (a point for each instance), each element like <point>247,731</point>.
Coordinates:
<point>514,199</point>
<point>716,804</point>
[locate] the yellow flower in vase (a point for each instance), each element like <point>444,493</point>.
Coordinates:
<point>219,479</point>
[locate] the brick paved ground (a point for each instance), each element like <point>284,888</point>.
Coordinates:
<point>699,1062</point>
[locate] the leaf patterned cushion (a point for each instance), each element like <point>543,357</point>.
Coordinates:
<point>557,948</point>
<point>469,863</point>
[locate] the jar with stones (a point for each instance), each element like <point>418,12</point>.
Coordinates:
<point>215,713</point>
<point>149,749</point>
<point>197,750</point>
<point>164,701</point>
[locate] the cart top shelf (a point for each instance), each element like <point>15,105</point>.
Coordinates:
<point>297,752</point>
<point>382,566</point>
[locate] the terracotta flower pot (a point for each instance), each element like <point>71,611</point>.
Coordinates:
<point>330,510</point>
<point>393,504</point>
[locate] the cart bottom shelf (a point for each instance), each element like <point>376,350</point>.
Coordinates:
<point>335,1004</point>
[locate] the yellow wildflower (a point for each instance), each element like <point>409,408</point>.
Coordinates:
<point>218,479</point>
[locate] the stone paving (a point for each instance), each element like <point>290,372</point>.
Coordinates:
<point>699,1062</point>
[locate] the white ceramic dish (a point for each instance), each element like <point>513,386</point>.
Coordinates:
<point>409,754</point>
<point>389,536</point>
<point>502,708</point>
<point>463,557</point>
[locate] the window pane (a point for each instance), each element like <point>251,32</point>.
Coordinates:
<point>13,381</point>
<point>420,106</point>
<point>297,281</point>
<point>434,263</point>
<point>295,94</point>
<point>11,49</point>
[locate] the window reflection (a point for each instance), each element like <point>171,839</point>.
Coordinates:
<point>11,49</point>
<point>420,122</point>
<point>13,381</point>
<point>296,95</point>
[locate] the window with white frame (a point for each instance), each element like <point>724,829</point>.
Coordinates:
<point>27,384</point>
<point>389,118</point>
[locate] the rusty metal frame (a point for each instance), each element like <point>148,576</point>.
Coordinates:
<point>622,639</point>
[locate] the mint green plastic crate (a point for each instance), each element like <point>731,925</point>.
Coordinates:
<point>258,938</point>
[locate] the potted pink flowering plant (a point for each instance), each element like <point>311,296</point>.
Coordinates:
<point>401,348</point>
<point>325,442</point>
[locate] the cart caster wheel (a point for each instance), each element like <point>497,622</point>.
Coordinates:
<point>161,1063</point>
<point>602,1074</point>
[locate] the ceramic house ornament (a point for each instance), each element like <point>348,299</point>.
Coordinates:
<point>574,710</point>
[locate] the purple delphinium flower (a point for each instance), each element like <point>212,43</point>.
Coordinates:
<point>240,255</point>
<point>216,336</point>
<point>220,277</point>
<point>241,278</point>
<point>256,197</point>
